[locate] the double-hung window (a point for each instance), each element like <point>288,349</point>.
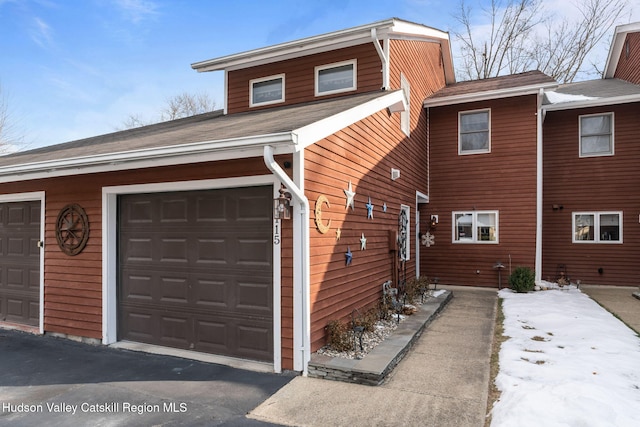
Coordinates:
<point>336,78</point>
<point>596,135</point>
<point>597,227</point>
<point>475,227</point>
<point>266,90</point>
<point>474,132</point>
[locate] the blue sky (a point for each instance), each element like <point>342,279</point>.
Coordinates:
<point>77,68</point>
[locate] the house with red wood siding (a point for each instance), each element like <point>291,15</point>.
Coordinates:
<point>338,162</point>
<point>170,237</point>
<point>526,172</point>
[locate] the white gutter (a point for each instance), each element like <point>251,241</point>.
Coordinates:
<point>302,263</point>
<point>539,183</point>
<point>487,95</point>
<point>595,102</point>
<point>384,57</point>
<point>83,164</point>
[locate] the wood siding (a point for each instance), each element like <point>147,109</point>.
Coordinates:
<point>629,63</point>
<point>73,285</point>
<point>503,180</point>
<point>593,184</point>
<point>364,154</point>
<point>300,77</point>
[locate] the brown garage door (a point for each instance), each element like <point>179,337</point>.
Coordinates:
<point>20,262</point>
<point>195,271</point>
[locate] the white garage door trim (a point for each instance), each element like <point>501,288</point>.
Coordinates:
<point>30,197</point>
<point>109,250</point>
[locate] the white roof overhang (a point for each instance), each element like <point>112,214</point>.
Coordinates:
<point>488,95</point>
<point>617,43</point>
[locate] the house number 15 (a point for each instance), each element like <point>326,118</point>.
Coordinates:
<point>276,235</point>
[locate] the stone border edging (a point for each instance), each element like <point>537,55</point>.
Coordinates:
<point>379,362</point>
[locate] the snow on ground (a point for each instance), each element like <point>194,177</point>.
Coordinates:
<point>568,362</point>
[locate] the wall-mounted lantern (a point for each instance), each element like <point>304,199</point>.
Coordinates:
<point>282,205</point>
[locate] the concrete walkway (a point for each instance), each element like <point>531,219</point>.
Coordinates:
<point>443,381</point>
<point>619,300</point>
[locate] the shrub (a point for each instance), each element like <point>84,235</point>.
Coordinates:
<point>522,279</point>
<point>415,287</point>
<point>339,336</point>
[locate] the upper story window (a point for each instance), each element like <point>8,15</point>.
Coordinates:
<point>474,134</point>
<point>405,116</point>
<point>596,135</point>
<point>475,227</point>
<point>336,78</point>
<point>597,227</point>
<point>266,90</point>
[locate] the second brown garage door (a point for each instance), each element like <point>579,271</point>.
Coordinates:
<point>195,270</point>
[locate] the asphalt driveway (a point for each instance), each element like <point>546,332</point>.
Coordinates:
<point>58,382</point>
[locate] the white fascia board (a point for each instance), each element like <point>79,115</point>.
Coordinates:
<point>386,29</point>
<point>615,50</point>
<point>597,102</point>
<point>349,36</point>
<point>198,152</point>
<point>314,132</point>
<point>487,95</point>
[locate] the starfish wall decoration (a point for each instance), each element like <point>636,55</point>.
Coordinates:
<point>348,256</point>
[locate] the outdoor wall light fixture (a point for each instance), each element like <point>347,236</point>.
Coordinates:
<point>282,204</point>
<point>557,207</point>
<point>433,222</point>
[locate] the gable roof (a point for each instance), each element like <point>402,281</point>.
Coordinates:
<point>617,43</point>
<point>591,93</point>
<point>496,87</point>
<point>205,137</point>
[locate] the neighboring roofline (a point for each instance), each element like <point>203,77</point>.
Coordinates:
<point>488,95</point>
<point>204,151</point>
<point>386,29</point>
<point>617,43</point>
<point>596,102</point>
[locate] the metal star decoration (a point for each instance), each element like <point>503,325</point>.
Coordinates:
<point>350,194</point>
<point>384,207</point>
<point>348,256</point>
<point>363,243</point>
<point>338,234</point>
<point>369,209</point>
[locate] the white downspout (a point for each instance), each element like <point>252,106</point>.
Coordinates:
<point>539,192</point>
<point>384,57</point>
<point>302,263</point>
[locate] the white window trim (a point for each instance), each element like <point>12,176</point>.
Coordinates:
<point>335,65</point>
<point>581,154</point>
<point>483,151</point>
<point>474,237</point>
<point>264,79</point>
<point>405,116</point>
<point>596,225</point>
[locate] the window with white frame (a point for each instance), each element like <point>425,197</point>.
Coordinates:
<point>336,78</point>
<point>597,227</point>
<point>474,132</point>
<point>596,135</point>
<point>475,227</point>
<point>405,116</point>
<point>266,90</point>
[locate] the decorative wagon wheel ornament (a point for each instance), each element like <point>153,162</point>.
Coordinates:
<point>72,229</point>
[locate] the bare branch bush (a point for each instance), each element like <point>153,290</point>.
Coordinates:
<point>521,35</point>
